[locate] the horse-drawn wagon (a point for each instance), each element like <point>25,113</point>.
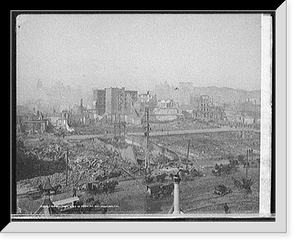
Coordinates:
<point>102,187</point>
<point>225,169</point>
<point>222,190</point>
<point>38,192</point>
<point>160,190</point>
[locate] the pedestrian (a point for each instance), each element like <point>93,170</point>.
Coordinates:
<point>226,208</point>
<point>74,191</point>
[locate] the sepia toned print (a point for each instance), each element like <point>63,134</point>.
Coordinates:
<point>143,115</point>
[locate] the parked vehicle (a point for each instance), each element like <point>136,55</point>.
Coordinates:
<point>159,190</point>
<point>102,187</point>
<point>222,190</point>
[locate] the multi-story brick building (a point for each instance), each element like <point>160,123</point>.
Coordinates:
<point>114,102</point>
<point>99,101</point>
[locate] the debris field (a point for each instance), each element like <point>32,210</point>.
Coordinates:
<point>109,173</point>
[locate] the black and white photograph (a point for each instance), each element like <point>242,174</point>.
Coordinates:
<point>151,116</point>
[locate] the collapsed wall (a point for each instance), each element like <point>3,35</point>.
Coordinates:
<point>126,153</point>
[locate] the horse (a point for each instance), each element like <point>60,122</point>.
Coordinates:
<point>108,186</point>
<point>161,177</point>
<point>56,188</point>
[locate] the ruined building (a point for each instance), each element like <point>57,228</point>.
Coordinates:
<point>99,100</point>
<point>114,102</point>
<point>205,108</point>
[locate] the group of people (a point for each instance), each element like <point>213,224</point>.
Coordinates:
<point>219,168</point>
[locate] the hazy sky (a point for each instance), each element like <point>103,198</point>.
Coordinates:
<point>138,50</point>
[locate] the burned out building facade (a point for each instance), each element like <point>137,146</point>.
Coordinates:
<point>114,102</point>
<point>205,109</point>
<point>99,101</point>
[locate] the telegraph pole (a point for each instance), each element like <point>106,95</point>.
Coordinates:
<point>67,165</point>
<point>119,126</point>
<point>247,164</point>
<point>187,155</point>
<point>115,130</point>
<point>124,129</point>
<point>147,138</point>
<point>188,150</point>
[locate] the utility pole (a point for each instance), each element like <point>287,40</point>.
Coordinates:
<point>67,165</point>
<point>247,164</point>
<point>188,150</point>
<point>124,126</point>
<point>115,131</point>
<point>251,155</point>
<point>187,155</point>
<point>119,126</point>
<point>147,138</point>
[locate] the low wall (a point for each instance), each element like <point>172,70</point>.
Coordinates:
<point>141,142</point>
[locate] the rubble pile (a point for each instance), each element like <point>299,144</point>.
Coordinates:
<point>159,159</point>
<point>92,162</point>
<point>50,152</point>
<point>139,152</point>
<point>88,160</point>
<point>38,161</point>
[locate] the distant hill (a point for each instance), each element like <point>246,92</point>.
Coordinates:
<point>227,95</point>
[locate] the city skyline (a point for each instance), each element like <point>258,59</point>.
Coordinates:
<point>137,51</point>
